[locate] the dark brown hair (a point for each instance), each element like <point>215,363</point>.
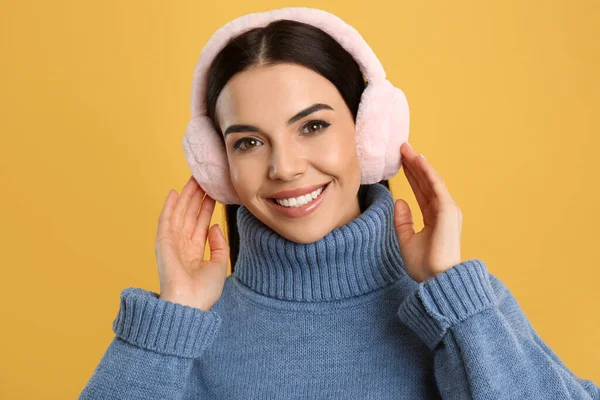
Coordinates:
<point>284,41</point>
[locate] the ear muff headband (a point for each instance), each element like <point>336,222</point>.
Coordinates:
<point>382,120</point>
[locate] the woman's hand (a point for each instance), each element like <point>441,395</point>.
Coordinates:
<point>183,226</point>
<point>437,247</point>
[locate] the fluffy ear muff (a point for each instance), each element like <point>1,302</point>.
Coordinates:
<point>399,127</point>
<point>207,157</point>
<point>381,127</point>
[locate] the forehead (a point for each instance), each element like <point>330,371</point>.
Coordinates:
<point>273,93</point>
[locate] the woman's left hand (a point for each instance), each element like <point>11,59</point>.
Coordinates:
<point>437,247</point>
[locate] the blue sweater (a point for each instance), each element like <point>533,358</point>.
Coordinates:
<point>335,319</point>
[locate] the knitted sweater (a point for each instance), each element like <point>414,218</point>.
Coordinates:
<point>338,318</point>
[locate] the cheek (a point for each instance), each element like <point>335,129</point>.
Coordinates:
<point>237,178</point>
<point>246,181</point>
<point>234,170</point>
<point>338,152</point>
<point>234,173</point>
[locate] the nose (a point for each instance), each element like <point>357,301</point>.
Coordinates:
<point>287,161</point>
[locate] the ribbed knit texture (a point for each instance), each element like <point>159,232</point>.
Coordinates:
<point>165,327</point>
<point>440,303</point>
<point>335,319</point>
<point>349,261</point>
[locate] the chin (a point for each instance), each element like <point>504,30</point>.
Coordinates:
<point>303,231</point>
<point>303,237</point>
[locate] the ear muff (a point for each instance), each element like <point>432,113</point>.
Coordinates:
<point>382,121</point>
<point>207,157</point>
<point>382,125</point>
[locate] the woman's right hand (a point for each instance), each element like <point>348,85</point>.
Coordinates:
<point>183,226</point>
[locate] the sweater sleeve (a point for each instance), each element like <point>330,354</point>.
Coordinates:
<point>152,354</point>
<point>483,345</point>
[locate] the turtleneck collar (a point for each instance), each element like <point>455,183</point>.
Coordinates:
<point>353,259</point>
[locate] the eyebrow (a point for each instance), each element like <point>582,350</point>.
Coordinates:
<point>307,111</point>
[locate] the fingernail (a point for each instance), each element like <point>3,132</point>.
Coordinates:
<point>421,155</point>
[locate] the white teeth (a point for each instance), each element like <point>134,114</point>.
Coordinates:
<point>300,200</point>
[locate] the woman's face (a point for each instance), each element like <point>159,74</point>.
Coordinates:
<point>269,151</point>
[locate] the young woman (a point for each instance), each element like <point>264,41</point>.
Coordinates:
<point>333,294</point>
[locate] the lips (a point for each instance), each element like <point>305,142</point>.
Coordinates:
<point>287,194</point>
<point>279,197</point>
<point>303,210</point>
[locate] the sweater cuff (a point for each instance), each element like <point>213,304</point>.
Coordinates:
<point>447,299</point>
<point>162,326</point>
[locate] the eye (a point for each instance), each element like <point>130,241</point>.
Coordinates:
<point>314,123</point>
<point>313,126</point>
<point>239,143</point>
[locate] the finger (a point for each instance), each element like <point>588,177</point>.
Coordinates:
<point>206,211</point>
<point>166,212</point>
<point>414,184</point>
<point>403,222</point>
<point>433,180</point>
<point>182,203</point>
<point>411,172</point>
<point>219,249</point>
<point>191,214</point>
<point>411,157</point>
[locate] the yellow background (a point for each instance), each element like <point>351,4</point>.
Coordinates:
<point>95,101</point>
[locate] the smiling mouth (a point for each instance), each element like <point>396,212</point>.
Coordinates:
<point>297,204</point>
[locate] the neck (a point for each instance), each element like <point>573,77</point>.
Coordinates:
<point>353,259</point>
<point>353,212</point>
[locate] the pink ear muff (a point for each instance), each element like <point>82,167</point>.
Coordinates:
<point>382,121</point>
<point>381,128</point>
<point>206,155</point>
